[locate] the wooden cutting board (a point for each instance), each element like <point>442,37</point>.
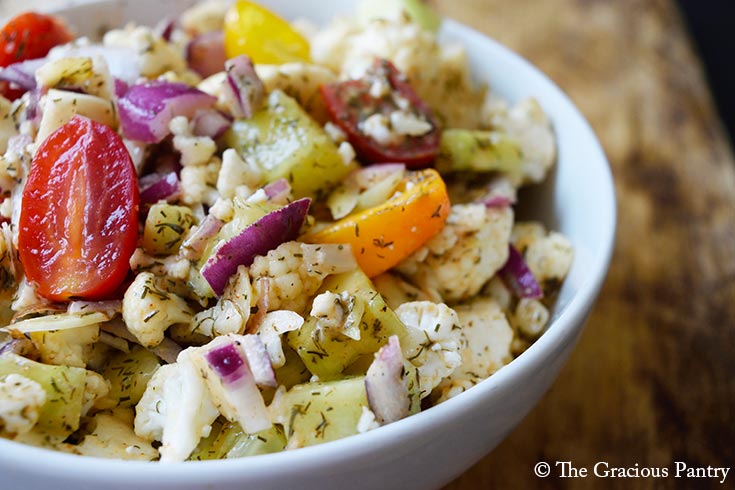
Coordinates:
<point>653,378</point>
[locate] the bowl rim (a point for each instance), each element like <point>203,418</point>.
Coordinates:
<point>566,326</point>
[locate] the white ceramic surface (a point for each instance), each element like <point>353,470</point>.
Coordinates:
<point>431,448</point>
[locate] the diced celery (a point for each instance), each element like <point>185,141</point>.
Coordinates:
<point>129,373</point>
<point>228,440</point>
<point>165,228</point>
<point>416,10</point>
<point>477,151</point>
<point>286,143</point>
<point>312,413</point>
<point>64,388</point>
<point>294,371</point>
<point>328,355</point>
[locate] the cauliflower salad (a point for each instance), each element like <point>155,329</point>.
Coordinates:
<point>230,235</point>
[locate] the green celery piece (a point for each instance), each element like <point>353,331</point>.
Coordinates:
<point>322,411</point>
<point>64,386</point>
<point>129,373</point>
<point>228,440</point>
<point>287,143</point>
<point>328,356</point>
<point>477,151</point>
<point>417,11</point>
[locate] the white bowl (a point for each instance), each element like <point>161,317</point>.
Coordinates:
<point>431,448</point>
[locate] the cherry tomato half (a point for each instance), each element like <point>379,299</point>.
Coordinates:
<point>79,218</point>
<point>26,37</point>
<point>351,102</point>
<point>262,35</point>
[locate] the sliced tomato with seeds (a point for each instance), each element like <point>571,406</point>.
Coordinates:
<point>78,223</point>
<point>29,36</point>
<point>350,103</point>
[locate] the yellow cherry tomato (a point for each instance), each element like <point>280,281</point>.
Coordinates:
<point>383,236</point>
<point>259,33</point>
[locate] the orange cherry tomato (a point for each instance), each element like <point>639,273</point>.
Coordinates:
<point>79,218</point>
<point>262,35</point>
<point>383,236</point>
<point>26,37</point>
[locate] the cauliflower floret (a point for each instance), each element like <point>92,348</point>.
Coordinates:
<point>458,261</point>
<point>195,150</point>
<point>439,355</point>
<point>300,81</point>
<point>236,172</point>
<point>273,325</point>
<point>530,317</point>
<point>339,313</point>
<point>155,55</point>
<point>485,347</point>
<point>231,312</point>
<point>198,183</point>
<point>550,257</point>
<point>527,123</point>
<point>205,16</point>
<point>70,347</point>
<point>172,266</point>
<point>294,272</point>
<point>176,409</point>
<point>96,388</point>
<point>148,310</point>
<point>21,400</point>
<point>114,438</point>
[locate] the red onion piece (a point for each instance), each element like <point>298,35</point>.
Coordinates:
<point>518,276</point>
<point>159,187</point>
<point>258,361</point>
<point>267,233</point>
<point>243,89</point>
<point>230,379</point>
<point>278,190</point>
<point>23,73</point>
<point>206,53</point>
<point>121,87</point>
<point>263,287</point>
<point>211,123</point>
<point>146,109</point>
<point>194,244</point>
<point>111,307</point>
<point>165,28</point>
<point>386,389</point>
<point>498,202</point>
<point>500,193</point>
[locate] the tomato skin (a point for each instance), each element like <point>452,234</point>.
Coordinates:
<point>350,101</point>
<point>31,35</point>
<point>78,224</point>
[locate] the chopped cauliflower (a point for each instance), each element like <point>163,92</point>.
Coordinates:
<point>527,123</point>
<point>195,150</point>
<point>206,16</point>
<point>294,273</point>
<point>272,327</point>
<point>176,409</point>
<point>485,347</point>
<point>302,81</point>
<point>96,388</point>
<point>113,438</point>
<point>7,124</point>
<point>367,421</point>
<point>236,172</point>
<point>395,291</point>
<point>172,266</point>
<point>21,400</point>
<point>198,183</point>
<point>530,317</point>
<point>548,255</point>
<point>458,261</point>
<point>231,312</point>
<point>439,355</point>
<point>154,55</point>
<point>70,347</point>
<point>338,313</point>
<point>148,310</point>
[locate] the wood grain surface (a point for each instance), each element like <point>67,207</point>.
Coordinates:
<point>653,378</point>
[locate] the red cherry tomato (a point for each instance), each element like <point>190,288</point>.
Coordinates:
<point>26,37</point>
<point>350,102</point>
<point>79,218</point>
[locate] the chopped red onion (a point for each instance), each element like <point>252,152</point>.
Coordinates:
<point>256,239</point>
<point>498,202</point>
<point>258,360</point>
<point>230,379</point>
<point>385,386</point>
<point>211,123</point>
<point>263,287</point>
<point>518,276</point>
<point>194,244</point>
<point>111,307</point>
<point>165,28</point>
<point>278,191</point>
<point>500,193</point>
<point>121,87</point>
<point>23,73</point>
<point>146,109</point>
<point>159,187</point>
<point>243,90</point>
<point>206,53</point>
